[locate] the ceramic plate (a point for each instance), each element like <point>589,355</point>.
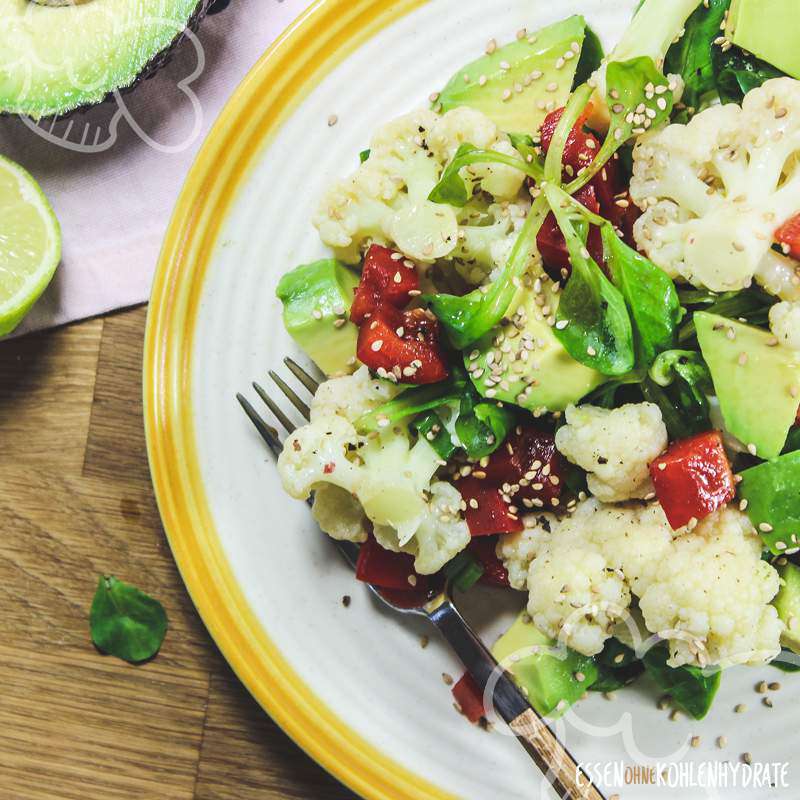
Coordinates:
<point>351,685</point>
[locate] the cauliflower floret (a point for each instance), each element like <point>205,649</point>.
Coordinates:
<point>466,125</point>
<point>615,447</point>
<point>711,597</point>
<point>384,478</point>
<point>706,592</point>
<point>581,579</point>
<point>784,320</point>
<point>386,199</point>
<point>339,514</point>
<point>714,191</point>
<point>517,550</point>
<point>441,536</point>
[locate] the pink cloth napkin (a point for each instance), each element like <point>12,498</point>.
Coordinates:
<point>114,172</point>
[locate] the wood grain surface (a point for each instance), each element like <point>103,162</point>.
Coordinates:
<point>75,501</point>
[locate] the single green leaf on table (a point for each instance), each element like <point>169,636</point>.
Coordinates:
<point>639,98</point>
<point>126,623</point>
<point>483,425</point>
<point>591,58</point>
<point>453,189</point>
<point>691,56</point>
<point>692,688</point>
<point>738,72</point>
<point>415,401</point>
<point>650,294</point>
<point>469,317</point>
<point>592,321</point>
<point>773,501</point>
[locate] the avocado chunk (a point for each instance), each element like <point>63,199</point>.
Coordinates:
<point>755,378</point>
<point>768,31</point>
<point>773,503</point>
<point>550,681</point>
<point>316,304</point>
<point>787,602</point>
<point>522,361</point>
<point>57,57</point>
<point>517,85</point>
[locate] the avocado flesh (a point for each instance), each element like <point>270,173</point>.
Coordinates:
<point>768,30</point>
<point>57,58</point>
<point>546,680</point>
<point>546,378</point>
<point>787,603</point>
<point>756,393</point>
<point>315,298</point>
<point>524,111</point>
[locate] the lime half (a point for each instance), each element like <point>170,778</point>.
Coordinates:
<point>30,243</point>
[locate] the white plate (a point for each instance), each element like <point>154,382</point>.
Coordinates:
<point>363,665</point>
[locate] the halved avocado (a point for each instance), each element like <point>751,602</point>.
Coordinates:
<point>59,55</point>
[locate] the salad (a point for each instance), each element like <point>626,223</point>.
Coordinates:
<point>561,327</point>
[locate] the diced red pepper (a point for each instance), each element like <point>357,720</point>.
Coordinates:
<point>469,697</point>
<point>386,569</point>
<point>484,549</point>
<point>405,343</point>
<point>487,512</point>
<point>386,279</point>
<point>553,247</point>
<point>529,465</point>
<point>789,235</point>
<point>693,478</point>
<point>581,147</point>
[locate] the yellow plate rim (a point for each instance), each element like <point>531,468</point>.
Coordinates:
<point>319,39</point>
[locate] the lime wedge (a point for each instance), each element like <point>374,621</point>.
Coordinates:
<point>30,244</point>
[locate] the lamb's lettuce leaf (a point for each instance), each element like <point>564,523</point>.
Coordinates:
<point>592,321</point>
<point>482,425</point>
<point>692,688</point>
<point>738,72</point>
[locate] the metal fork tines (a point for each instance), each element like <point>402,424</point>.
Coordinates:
<point>555,761</point>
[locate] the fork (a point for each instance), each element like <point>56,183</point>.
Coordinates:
<point>549,754</point>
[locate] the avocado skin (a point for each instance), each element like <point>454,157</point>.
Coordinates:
<point>326,287</point>
<point>159,60</point>
<point>787,602</point>
<point>546,679</point>
<point>755,396</point>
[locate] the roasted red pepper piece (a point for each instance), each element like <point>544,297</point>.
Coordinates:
<point>386,569</point>
<point>789,235</point>
<point>553,247</point>
<point>610,197</point>
<point>487,512</point>
<point>386,279</point>
<point>484,549</point>
<point>528,468</point>
<point>405,343</point>
<point>469,697</point>
<point>693,478</point>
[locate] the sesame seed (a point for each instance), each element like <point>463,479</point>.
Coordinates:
<point>722,741</point>
<point>482,80</point>
<point>767,701</point>
<point>376,345</point>
<point>761,687</point>
<point>752,449</point>
<point>448,679</point>
<point>774,686</point>
<point>506,95</point>
<point>316,313</point>
<point>765,527</point>
<point>332,120</point>
<point>695,741</point>
<point>338,323</point>
<point>740,708</point>
<point>743,505</point>
<point>747,758</point>
<point>662,466</point>
<point>505,65</point>
<point>433,98</point>
<point>590,351</point>
<point>491,46</point>
<point>552,87</point>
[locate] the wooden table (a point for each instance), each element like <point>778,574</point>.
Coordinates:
<point>75,501</point>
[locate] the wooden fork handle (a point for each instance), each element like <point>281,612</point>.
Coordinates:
<point>552,758</point>
<point>555,761</point>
